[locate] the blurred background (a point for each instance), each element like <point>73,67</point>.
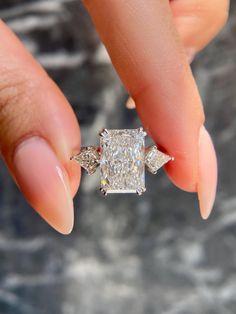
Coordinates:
<point>126,254</point>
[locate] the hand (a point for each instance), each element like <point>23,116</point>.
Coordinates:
<point>150,50</point>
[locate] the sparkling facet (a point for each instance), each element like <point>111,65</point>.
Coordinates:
<point>155,159</point>
<point>88,158</point>
<point>122,161</point>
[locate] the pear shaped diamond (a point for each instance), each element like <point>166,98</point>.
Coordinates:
<point>155,159</point>
<point>88,158</point>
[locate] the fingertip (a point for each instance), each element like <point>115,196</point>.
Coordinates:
<point>180,176</point>
<point>44,182</point>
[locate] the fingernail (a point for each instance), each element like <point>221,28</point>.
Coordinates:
<point>207,178</point>
<point>191,53</point>
<point>130,104</point>
<point>45,183</point>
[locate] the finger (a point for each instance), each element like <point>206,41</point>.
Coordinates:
<point>198,21</point>
<point>38,134</point>
<point>144,46</point>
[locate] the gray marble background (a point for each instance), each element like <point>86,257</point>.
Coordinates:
<point>126,255</point>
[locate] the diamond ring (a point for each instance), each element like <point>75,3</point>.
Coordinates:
<point>122,158</point>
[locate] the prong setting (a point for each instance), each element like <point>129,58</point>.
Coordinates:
<point>140,191</point>
<point>103,191</point>
<point>103,133</point>
<point>141,130</point>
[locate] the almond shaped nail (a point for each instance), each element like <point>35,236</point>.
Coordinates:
<point>207,179</point>
<point>45,183</point>
<point>130,104</point>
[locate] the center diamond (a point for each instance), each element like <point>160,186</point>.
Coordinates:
<point>122,161</point>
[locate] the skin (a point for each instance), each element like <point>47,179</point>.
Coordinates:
<point>39,131</point>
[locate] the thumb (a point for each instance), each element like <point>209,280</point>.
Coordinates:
<point>38,134</point>
<point>146,50</point>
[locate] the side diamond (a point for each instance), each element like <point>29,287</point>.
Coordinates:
<point>88,158</point>
<point>155,159</point>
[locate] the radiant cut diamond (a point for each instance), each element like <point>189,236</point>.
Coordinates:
<point>122,161</point>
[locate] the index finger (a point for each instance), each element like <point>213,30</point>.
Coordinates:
<point>144,46</point>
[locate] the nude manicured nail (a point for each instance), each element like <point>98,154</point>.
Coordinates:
<point>130,104</point>
<point>207,180</point>
<point>44,182</point>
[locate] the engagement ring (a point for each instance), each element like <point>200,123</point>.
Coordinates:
<point>122,158</point>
